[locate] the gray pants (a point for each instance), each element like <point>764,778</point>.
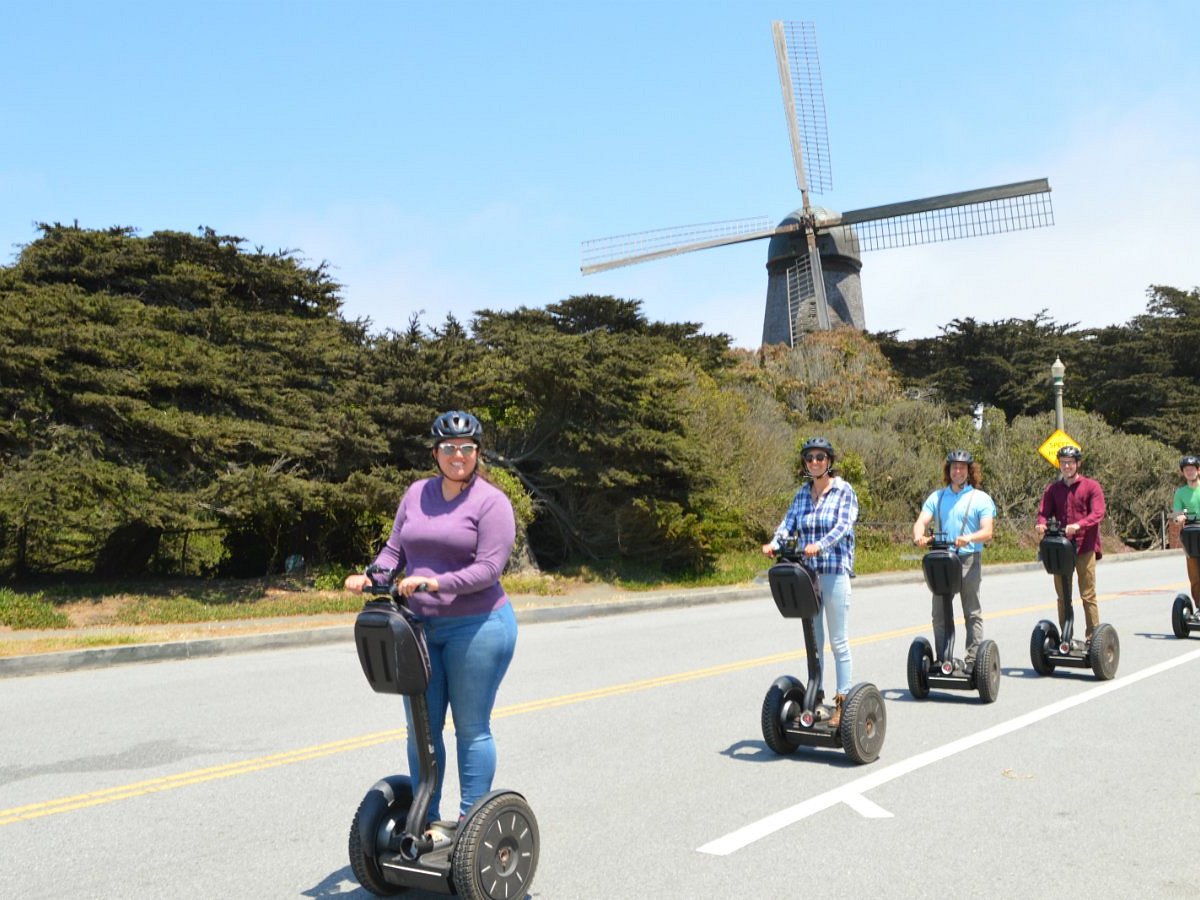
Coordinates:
<point>972,573</point>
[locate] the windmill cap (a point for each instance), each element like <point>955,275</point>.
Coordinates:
<point>836,243</point>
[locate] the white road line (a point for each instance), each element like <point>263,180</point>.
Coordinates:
<point>868,809</point>
<point>851,794</point>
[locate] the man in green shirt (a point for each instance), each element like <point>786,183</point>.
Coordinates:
<point>1187,503</point>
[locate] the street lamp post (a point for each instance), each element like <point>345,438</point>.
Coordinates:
<point>1057,371</point>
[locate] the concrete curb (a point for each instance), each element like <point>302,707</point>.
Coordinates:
<point>196,648</point>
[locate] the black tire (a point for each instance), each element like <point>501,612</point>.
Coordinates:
<point>987,671</point>
<point>1045,634</point>
<point>1104,653</point>
<point>779,697</point>
<point>920,657</point>
<point>1180,612</point>
<point>496,855</point>
<point>864,723</point>
<point>382,812</point>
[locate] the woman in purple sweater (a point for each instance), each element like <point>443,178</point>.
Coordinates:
<point>452,537</point>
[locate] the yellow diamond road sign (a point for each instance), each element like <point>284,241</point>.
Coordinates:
<point>1050,448</point>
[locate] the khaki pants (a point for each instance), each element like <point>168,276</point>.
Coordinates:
<point>1085,571</point>
<point>1193,567</point>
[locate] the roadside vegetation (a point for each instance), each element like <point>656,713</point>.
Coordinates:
<point>191,431</point>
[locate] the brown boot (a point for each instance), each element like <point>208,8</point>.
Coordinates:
<point>836,719</point>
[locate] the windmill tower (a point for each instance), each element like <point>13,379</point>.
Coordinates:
<point>813,255</point>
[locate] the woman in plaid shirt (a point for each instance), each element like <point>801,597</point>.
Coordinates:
<point>822,517</point>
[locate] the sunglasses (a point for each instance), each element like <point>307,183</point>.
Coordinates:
<point>467,450</point>
<point>815,457</point>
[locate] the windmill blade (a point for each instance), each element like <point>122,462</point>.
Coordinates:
<point>602,254</point>
<point>803,104</point>
<point>808,308</point>
<point>994,210</point>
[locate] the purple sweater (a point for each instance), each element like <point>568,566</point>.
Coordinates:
<point>463,543</point>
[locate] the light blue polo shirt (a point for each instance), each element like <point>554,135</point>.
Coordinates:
<point>961,513</point>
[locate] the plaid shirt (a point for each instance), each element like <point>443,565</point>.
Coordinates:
<point>829,522</point>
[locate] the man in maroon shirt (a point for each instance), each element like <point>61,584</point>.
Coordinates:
<point>1077,502</point>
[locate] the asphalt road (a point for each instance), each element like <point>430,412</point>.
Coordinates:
<point>636,739</point>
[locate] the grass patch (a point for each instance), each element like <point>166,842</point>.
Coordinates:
<point>29,611</point>
<point>74,602</point>
<point>541,585</point>
<point>160,610</point>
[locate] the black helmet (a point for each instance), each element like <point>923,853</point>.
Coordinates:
<point>456,424</point>
<point>963,456</point>
<point>1189,460</point>
<point>1070,450</point>
<point>817,443</point>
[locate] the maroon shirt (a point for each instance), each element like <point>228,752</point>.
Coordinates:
<point>1079,503</point>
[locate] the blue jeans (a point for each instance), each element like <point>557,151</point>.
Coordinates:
<point>468,656</point>
<point>835,600</point>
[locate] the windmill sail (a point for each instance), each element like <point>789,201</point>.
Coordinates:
<point>803,103</point>
<point>602,254</point>
<point>994,210</point>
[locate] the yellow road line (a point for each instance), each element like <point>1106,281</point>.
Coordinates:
<point>245,767</point>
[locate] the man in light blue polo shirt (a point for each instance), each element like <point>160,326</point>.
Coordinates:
<point>964,514</point>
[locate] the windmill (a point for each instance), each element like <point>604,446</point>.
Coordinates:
<point>813,257</point>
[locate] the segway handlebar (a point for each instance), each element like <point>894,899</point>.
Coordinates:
<point>381,582</point>
<point>940,540</point>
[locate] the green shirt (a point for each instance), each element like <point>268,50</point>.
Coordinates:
<point>1187,499</point>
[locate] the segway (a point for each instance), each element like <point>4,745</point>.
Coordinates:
<point>494,850</point>
<point>1047,649</point>
<point>795,714</point>
<point>943,574</point>
<point>1184,618</point>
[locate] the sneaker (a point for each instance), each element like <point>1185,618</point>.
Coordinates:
<point>1078,646</point>
<point>969,667</point>
<point>441,833</point>
<point>822,713</point>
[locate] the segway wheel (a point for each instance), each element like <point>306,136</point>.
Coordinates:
<point>987,671</point>
<point>1104,654</point>
<point>497,852</point>
<point>1180,613</point>
<point>775,713</point>
<point>920,658</point>
<point>381,814</point>
<point>1045,635</point>
<point>864,723</point>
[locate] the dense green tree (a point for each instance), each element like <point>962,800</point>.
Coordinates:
<point>168,363</point>
<point>1144,376</point>
<point>585,397</point>
<point>1005,364</point>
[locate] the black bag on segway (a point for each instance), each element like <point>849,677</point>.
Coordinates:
<point>392,649</point>
<point>796,590</point>
<point>943,570</point>
<point>1189,536</point>
<point>1058,554</point>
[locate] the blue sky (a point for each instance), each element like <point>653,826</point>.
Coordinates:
<point>450,157</point>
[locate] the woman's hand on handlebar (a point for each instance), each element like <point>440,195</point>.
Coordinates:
<point>922,541</point>
<point>768,549</point>
<point>357,583</point>
<point>410,584</point>
<point>811,550</point>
